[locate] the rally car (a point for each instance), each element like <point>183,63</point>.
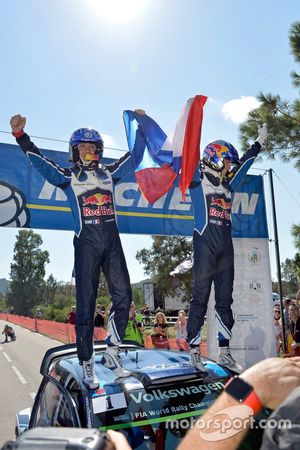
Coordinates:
<point>154,407</point>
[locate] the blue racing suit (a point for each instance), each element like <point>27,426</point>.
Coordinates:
<point>213,248</point>
<point>97,243</point>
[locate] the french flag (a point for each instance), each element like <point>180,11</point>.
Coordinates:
<point>158,158</point>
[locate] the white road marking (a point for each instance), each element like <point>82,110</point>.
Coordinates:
<point>19,375</point>
<point>7,357</point>
<point>32,395</point>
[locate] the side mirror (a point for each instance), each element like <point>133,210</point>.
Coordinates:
<point>22,421</point>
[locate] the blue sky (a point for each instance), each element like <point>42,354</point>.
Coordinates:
<point>66,64</point>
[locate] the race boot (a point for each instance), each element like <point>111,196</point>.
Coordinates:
<point>111,360</point>
<point>89,376</point>
<point>226,359</point>
<point>195,360</point>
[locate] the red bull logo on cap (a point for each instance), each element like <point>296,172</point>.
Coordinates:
<point>217,149</point>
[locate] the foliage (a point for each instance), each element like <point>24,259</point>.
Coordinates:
<point>3,304</point>
<point>282,117</point>
<point>296,266</point>
<point>289,274</point>
<point>27,272</point>
<point>296,235</point>
<point>138,297</point>
<point>164,255</point>
<point>50,290</point>
<point>283,120</point>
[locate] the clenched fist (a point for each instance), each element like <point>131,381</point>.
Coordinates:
<point>17,123</point>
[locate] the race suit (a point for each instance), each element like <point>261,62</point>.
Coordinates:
<point>97,243</point>
<point>213,248</point>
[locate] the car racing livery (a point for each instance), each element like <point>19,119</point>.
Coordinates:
<point>156,405</point>
<point>212,241</point>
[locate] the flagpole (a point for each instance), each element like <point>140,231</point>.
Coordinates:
<point>270,171</point>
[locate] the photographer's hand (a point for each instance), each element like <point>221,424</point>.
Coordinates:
<point>119,440</point>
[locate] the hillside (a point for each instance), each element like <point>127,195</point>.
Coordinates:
<point>4,286</point>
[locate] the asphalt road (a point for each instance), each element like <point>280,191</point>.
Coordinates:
<point>20,375</point>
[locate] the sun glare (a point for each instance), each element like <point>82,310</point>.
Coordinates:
<point>118,10</point>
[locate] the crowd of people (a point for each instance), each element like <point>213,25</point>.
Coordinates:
<point>291,321</point>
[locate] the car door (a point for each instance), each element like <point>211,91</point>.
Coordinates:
<point>53,407</point>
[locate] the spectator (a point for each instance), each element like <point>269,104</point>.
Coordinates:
<point>270,382</point>
<point>180,330</point>
<point>99,317</point>
<point>159,336</point>
<point>72,316</point>
<point>147,315</point>
<point>38,314</point>
<point>295,329</point>
<point>9,333</point>
<point>107,313</point>
<point>287,325</point>
<point>273,383</point>
<point>278,328</point>
<point>135,326</point>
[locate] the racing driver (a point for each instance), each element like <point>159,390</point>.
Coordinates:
<point>89,188</point>
<point>211,191</point>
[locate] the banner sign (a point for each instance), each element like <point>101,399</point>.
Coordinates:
<point>28,200</point>
<point>253,333</point>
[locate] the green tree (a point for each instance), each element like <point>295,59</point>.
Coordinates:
<point>282,116</point>
<point>164,255</point>
<point>138,297</point>
<point>296,264</point>
<point>50,290</point>
<point>3,305</point>
<point>289,275</point>
<point>283,121</point>
<point>296,235</point>
<point>27,272</point>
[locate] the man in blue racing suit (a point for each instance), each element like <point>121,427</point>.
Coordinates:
<point>210,192</point>
<point>89,187</point>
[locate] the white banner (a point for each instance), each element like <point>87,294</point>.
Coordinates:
<point>253,334</point>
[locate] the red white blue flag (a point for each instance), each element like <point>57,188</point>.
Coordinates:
<point>157,158</point>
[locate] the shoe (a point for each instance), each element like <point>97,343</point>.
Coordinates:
<point>111,360</point>
<point>89,376</point>
<point>226,359</point>
<point>195,360</point>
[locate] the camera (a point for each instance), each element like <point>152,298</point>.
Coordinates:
<point>61,439</point>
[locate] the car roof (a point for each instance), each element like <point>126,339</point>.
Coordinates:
<point>149,367</point>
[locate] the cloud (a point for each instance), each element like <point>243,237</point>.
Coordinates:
<point>237,109</point>
<point>108,140</point>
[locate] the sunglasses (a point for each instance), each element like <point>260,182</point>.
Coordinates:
<point>276,312</point>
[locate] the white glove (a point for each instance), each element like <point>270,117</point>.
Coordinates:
<point>262,134</point>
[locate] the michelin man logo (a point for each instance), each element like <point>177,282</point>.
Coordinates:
<point>13,211</point>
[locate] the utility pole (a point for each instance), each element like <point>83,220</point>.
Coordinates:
<point>270,171</point>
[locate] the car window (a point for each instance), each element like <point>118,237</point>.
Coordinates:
<point>54,409</point>
<point>76,393</point>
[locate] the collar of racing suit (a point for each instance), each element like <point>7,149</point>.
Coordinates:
<point>214,178</point>
<point>80,168</point>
